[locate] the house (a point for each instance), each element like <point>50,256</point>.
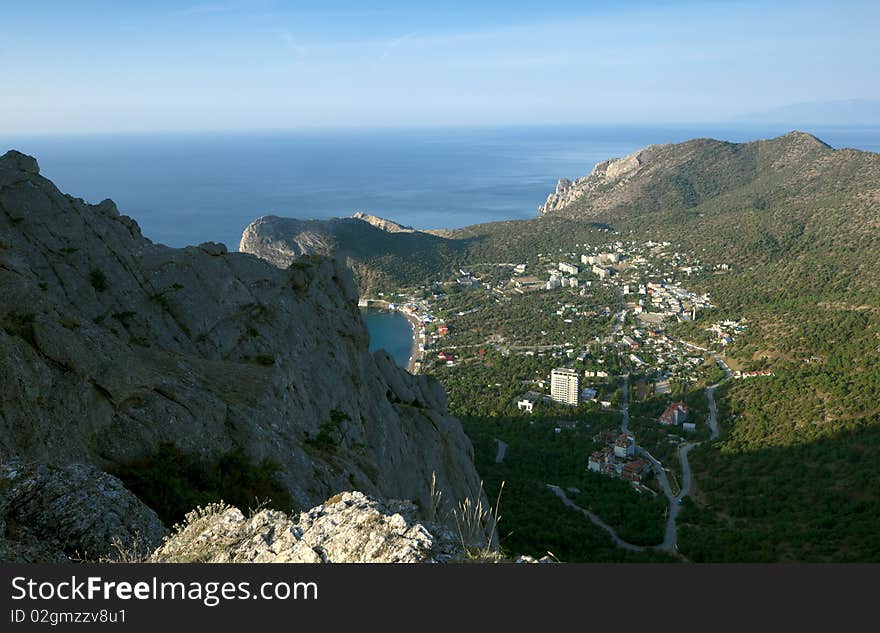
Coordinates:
<point>601,272</point>
<point>689,426</point>
<point>596,461</point>
<point>636,470</point>
<point>612,469</point>
<point>588,394</point>
<point>527,401</point>
<point>675,413</point>
<point>447,358</point>
<point>527,282</point>
<point>443,330</point>
<point>624,446</point>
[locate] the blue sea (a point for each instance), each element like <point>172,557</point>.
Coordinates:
<point>190,188</point>
<point>389,331</point>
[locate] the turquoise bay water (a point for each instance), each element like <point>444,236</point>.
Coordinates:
<point>389,331</point>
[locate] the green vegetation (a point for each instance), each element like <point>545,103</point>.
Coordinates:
<point>329,433</point>
<point>173,482</point>
<point>533,520</point>
<point>21,325</point>
<point>264,360</point>
<point>98,280</point>
<point>792,477</point>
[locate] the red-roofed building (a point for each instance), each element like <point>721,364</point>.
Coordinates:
<point>676,413</point>
<point>636,470</point>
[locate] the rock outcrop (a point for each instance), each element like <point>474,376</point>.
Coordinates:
<point>111,345</point>
<point>389,226</point>
<point>604,175</point>
<point>50,514</point>
<point>349,528</point>
<point>281,241</point>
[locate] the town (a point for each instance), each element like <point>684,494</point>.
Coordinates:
<point>569,336</point>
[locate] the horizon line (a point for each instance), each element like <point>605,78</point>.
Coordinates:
<point>683,125</point>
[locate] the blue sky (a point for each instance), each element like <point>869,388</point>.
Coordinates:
<point>105,66</point>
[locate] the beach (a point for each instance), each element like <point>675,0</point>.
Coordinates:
<point>413,364</point>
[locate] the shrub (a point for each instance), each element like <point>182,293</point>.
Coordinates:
<point>174,482</point>
<point>98,280</point>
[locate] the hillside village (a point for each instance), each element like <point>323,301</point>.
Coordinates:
<point>587,318</point>
<point>601,310</point>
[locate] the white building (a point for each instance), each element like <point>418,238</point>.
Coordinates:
<point>526,405</point>
<point>527,401</point>
<point>565,386</point>
<point>625,446</point>
<point>570,269</point>
<point>601,272</point>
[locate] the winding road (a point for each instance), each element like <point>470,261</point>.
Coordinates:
<point>670,539</point>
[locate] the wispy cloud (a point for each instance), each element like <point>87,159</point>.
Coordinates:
<point>390,45</point>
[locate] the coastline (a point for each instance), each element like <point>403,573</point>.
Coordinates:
<point>415,356</point>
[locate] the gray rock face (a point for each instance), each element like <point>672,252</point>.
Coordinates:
<point>606,174</point>
<point>111,345</point>
<point>349,528</point>
<point>48,514</point>
<point>381,223</point>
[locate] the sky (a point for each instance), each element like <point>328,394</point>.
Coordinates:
<point>126,66</point>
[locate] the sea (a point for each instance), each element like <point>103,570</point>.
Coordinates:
<point>188,188</point>
<point>390,331</point>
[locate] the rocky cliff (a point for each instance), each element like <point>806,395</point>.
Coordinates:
<point>381,223</point>
<point>111,345</point>
<point>605,175</point>
<point>379,251</point>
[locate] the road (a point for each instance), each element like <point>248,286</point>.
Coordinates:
<point>670,542</point>
<point>594,518</point>
<point>624,407</point>
<point>502,451</point>
<point>728,374</point>
<point>670,537</point>
<point>621,317</point>
<point>713,411</point>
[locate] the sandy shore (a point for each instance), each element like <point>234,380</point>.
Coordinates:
<point>415,356</point>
